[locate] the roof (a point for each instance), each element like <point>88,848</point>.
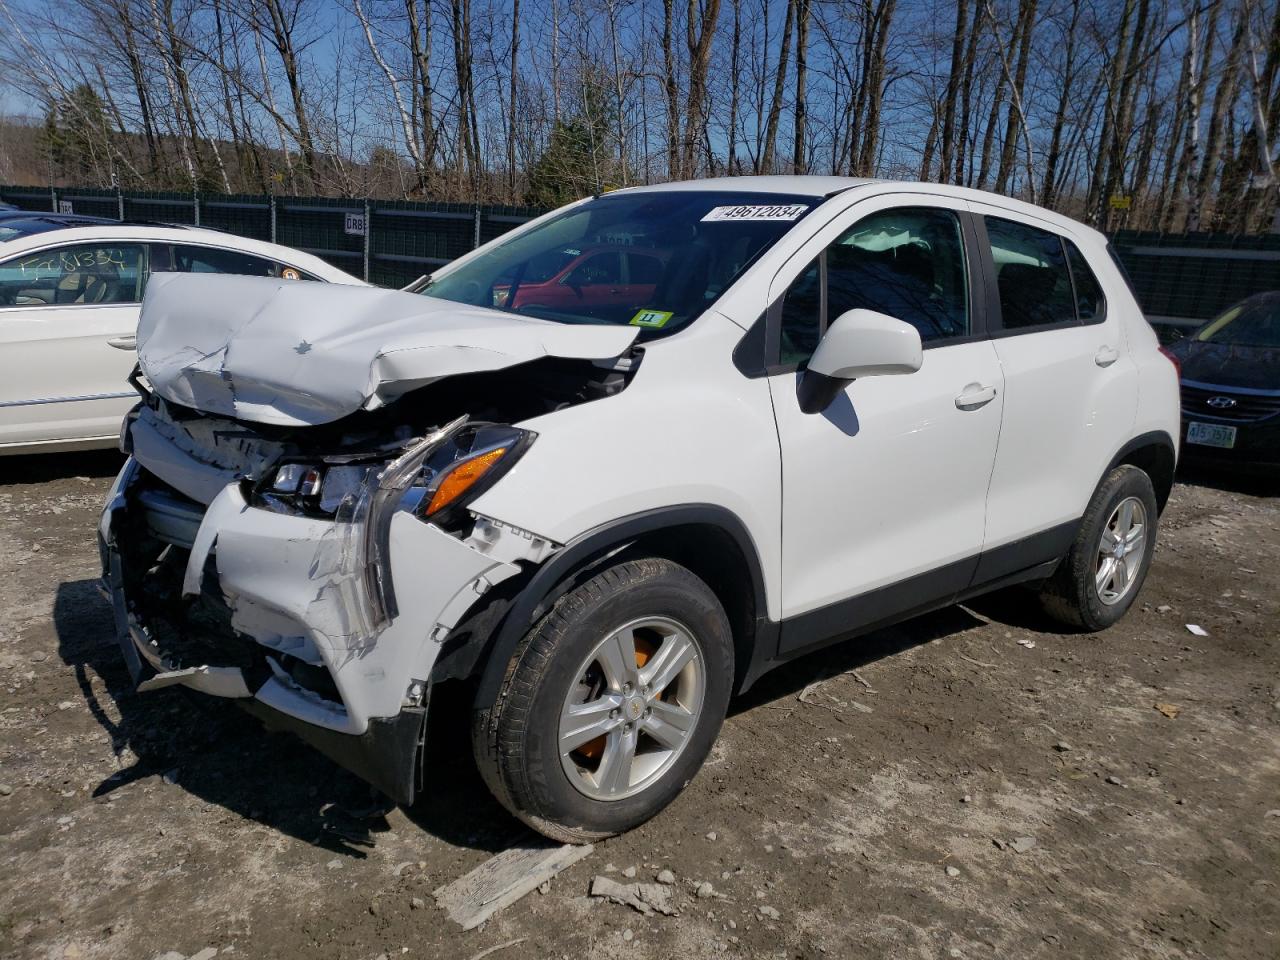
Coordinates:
<point>821,187</point>
<point>811,186</point>
<point>24,223</point>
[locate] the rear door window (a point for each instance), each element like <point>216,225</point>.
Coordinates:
<point>193,259</point>
<point>189,258</point>
<point>1032,276</point>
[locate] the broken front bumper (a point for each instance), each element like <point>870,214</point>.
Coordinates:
<point>270,609</point>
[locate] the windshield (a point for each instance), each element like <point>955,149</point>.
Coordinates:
<point>654,260</point>
<point>1254,323</point>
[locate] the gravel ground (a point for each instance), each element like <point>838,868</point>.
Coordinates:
<point>984,786</point>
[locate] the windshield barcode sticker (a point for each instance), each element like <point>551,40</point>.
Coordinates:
<point>787,211</point>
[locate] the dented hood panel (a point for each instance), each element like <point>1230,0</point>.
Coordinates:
<point>297,353</point>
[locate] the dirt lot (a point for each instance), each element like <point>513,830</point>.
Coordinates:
<point>869,822</point>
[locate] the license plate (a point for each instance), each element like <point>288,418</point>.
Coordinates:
<point>1211,435</point>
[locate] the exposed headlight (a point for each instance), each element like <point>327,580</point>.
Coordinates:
<point>466,465</point>
<point>434,479</point>
<point>298,479</point>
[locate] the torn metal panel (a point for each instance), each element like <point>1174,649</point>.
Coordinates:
<point>216,681</point>
<point>341,609</point>
<point>289,587</point>
<point>223,507</point>
<point>509,543</point>
<point>296,354</point>
<point>201,455</point>
<point>364,523</point>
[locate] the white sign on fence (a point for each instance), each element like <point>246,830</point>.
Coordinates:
<point>355,224</point>
<point>64,206</point>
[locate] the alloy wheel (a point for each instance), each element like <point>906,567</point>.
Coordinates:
<point>1121,550</point>
<point>632,709</point>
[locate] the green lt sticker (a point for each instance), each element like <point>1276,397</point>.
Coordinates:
<point>651,318</point>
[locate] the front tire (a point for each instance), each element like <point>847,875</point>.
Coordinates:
<point>1101,575</point>
<point>610,703</point>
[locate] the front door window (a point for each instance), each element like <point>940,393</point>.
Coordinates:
<point>83,274</point>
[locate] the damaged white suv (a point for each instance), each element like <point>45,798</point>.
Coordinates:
<point>612,467</point>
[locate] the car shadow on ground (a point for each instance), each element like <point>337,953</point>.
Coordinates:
<point>43,467</point>
<point>216,752</point>
<point>793,677</point>
<point>223,756</point>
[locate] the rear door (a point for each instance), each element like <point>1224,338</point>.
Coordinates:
<point>68,317</point>
<point>1070,387</point>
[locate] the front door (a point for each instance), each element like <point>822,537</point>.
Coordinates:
<point>884,493</point>
<point>68,316</point>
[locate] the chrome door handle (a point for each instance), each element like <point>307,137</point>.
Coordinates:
<point>1106,356</point>
<point>129,342</point>
<point>975,396</point>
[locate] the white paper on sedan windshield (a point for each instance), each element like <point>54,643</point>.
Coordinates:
<point>786,211</point>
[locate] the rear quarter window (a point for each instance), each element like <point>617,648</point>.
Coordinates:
<point>1091,305</point>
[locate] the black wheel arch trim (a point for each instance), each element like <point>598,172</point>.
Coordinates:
<point>1152,438</point>
<point>1149,439</point>
<point>606,540</point>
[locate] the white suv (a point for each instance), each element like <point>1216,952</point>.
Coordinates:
<point>614,466</point>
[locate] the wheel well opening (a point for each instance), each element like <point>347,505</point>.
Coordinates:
<point>1156,460</point>
<point>707,550</point>
<point>714,556</point>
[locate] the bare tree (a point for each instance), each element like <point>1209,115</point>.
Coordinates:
<point>799,160</point>
<point>1053,157</point>
<point>879,20</point>
<point>779,84</point>
<point>1016,79</point>
<point>1223,103</point>
<point>731,163</point>
<point>671,90</point>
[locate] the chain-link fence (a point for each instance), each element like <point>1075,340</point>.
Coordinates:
<point>387,242</point>
<point>1181,280</point>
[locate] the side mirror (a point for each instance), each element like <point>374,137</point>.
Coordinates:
<point>859,343</point>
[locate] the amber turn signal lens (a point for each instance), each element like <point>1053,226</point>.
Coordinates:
<point>461,478</point>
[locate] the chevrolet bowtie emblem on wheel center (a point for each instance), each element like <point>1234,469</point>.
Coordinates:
<point>1221,403</point>
<point>635,707</point>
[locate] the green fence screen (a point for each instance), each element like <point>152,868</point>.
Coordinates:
<point>1182,278</point>
<point>387,242</point>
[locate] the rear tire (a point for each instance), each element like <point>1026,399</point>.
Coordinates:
<point>1104,570</point>
<point>610,703</point>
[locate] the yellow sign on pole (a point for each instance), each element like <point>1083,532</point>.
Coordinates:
<point>1119,202</point>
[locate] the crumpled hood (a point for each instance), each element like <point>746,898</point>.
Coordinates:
<point>297,353</point>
